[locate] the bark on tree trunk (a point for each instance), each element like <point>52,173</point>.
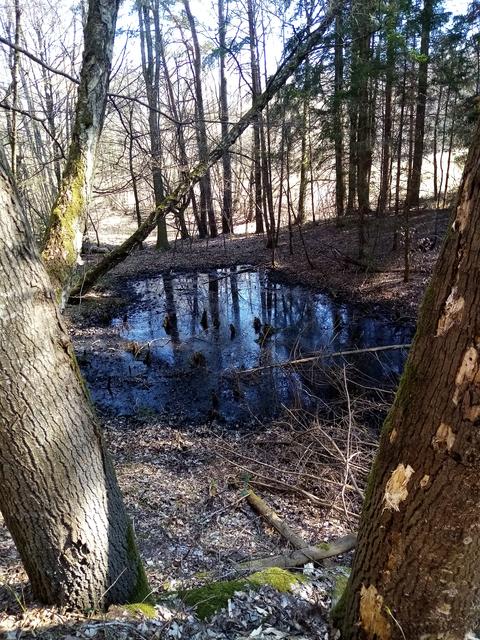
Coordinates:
<point>150,50</point>
<point>435,146</point>
<point>206,199</point>
<point>302,189</point>
<point>338,118</point>
<point>63,241</point>
<point>450,148</point>
<point>360,94</point>
<point>15,69</point>
<point>255,71</point>
<point>58,491</point>
<point>415,573</point>
<point>182,148</point>
<point>413,192</point>
<point>387,119</point>
<point>227,211</point>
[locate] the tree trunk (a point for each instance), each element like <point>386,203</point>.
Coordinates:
<point>302,189</point>
<point>67,220</point>
<point>360,94</point>
<point>387,118</point>
<point>401,125</point>
<point>58,491</point>
<point>151,60</point>
<point>227,209</point>
<point>206,200</point>
<point>352,158</point>
<point>15,68</point>
<point>338,119</point>
<point>131,167</point>
<point>415,573</point>
<point>450,148</point>
<point>435,146</point>
<point>255,71</point>
<point>444,137</point>
<point>267,157</point>
<point>413,191</point>
<point>182,147</point>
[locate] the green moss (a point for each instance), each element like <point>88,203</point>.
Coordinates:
<point>200,575</point>
<point>402,397</point>
<point>339,596</point>
<point>143,608</point>
<point>280,579</point>
<point>426,314</point>
<point>370,486</point>
<point>60,254</point>
<point>211,597</point>
<point>214,596</point>
<point>337,613</point>
<point>78,373</point>
<point>340,584</point>
<point>324,545</point>
<point>141,592</point>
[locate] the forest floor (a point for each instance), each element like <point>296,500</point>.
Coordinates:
<point>183,484</point>
<point>324,257</point>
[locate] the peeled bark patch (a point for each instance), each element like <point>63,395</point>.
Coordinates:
<point>396,488</point>
<point>444,438</point>
<point>452,313</point>
<point>424,481</point>
<point>372,619</point>
<point>467,372</point>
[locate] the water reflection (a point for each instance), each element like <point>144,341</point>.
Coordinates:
<point>199,327</point>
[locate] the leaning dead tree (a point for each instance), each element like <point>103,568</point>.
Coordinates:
<point>63,241</point>
<point>172,201</point>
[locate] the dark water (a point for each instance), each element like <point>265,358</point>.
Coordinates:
<point>190,364</point>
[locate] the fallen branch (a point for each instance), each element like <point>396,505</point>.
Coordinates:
<point>301,556</point>
<point>170,203</point>
<point>322,356</point>
<point>261,507</point>
<point>284,486</point>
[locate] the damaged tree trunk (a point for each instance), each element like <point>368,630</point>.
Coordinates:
<point>63,241</point>
<point>58,491</point>
<point>415,573</point>
<point>276,81</point>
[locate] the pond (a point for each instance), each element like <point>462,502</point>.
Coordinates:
<point>186,341</point>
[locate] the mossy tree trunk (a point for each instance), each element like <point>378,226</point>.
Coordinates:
<point>415,574</point>
<point>64,235</point>
<point>58,491</point>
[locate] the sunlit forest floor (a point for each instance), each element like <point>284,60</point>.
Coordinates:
<point>325,256</point>
<point>183,483</point>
